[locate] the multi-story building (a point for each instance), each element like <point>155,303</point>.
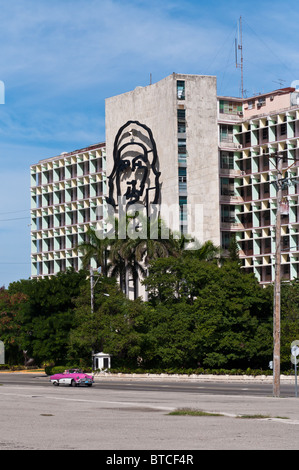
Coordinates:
<point>65,193</point>
<point>172,126</point>
<point>206,162</point>
<point>253,133</point>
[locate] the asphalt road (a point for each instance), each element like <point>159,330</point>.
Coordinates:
<point>121,415</point>
<point>143,385</point>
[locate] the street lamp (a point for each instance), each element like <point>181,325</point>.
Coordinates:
<point>93,284</point>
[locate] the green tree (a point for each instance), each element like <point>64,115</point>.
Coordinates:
<point>45,317</point>
<point>289,319</point>
<point>232,326</point>
<point>9,325</point>
<point>115,326</point>
<point>228,311</point>
<point>168,341</point>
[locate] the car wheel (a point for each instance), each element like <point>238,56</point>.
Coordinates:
<point>73,383</point>
<point>56,384</point>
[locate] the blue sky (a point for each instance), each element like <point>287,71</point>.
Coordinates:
<point>61,59</point>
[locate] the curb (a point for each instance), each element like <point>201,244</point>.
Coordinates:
<point>196,378</point>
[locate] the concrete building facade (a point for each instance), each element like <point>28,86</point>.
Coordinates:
<point>253,133</point>
<point>66,191</point>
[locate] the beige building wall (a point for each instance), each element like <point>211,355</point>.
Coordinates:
<point>202,160</point>
<point>156,107</point>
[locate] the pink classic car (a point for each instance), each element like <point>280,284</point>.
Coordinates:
<point>73,378</point>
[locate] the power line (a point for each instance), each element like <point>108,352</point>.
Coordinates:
<point>14,212</point>
<point>11,262</point>
<point>17,218</point>
<point>269,48</point>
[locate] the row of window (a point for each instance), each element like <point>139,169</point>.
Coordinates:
<point>60,220</point>
<point>257,136</point>
<point>70,171</point>
<point>72,194</point>
<point>47,267</point>
<point>60,243</point>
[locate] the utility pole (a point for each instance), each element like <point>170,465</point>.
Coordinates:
<point>277,283</point>
<point>280,184</point>
<point>91,289</point>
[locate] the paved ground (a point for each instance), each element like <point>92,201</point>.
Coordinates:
<point>50,418</point>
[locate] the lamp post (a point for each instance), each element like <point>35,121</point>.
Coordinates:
<point>92,286</point>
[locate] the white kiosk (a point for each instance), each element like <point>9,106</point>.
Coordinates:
<point>101,361</point>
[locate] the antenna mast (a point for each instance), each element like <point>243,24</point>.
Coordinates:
<point>239,46</point>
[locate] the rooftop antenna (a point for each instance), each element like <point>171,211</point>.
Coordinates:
<point>280,82</point>
<point>239,47</point>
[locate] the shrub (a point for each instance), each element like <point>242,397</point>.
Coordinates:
<point>51,370</point>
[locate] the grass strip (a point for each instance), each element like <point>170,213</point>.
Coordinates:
<point>191,412</point>
<point>257,416</point>
<point>260,416</point>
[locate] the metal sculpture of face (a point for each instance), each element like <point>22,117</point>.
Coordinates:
<point>135,165</point>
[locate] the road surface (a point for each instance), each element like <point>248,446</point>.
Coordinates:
<point>133,415</point>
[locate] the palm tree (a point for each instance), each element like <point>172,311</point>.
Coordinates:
<point>96,248</point>
<point>139,251</point>
<point>205,252</point>
<point>132,256</point>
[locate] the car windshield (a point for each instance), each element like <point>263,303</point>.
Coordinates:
<point>75,371</point>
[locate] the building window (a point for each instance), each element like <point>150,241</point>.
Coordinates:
<point>226,133</point>
<point>182,150</point>
<point>226,239</point>
<point>183,171</point>
<point>73,194</point>
<point>229,107</point>
<point>265,133</point>
<point>227,187</point>
<point>181,89</point>
<point>181,127</point>
<point>181,120</point>
<point>261,102</point>
<point>181,114</point>
<point>183,208</point>
<point>61,174</point>
<point>182,183</point>
<point>283,129</point>
<point>227,160</point>
<point>228,214</point>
